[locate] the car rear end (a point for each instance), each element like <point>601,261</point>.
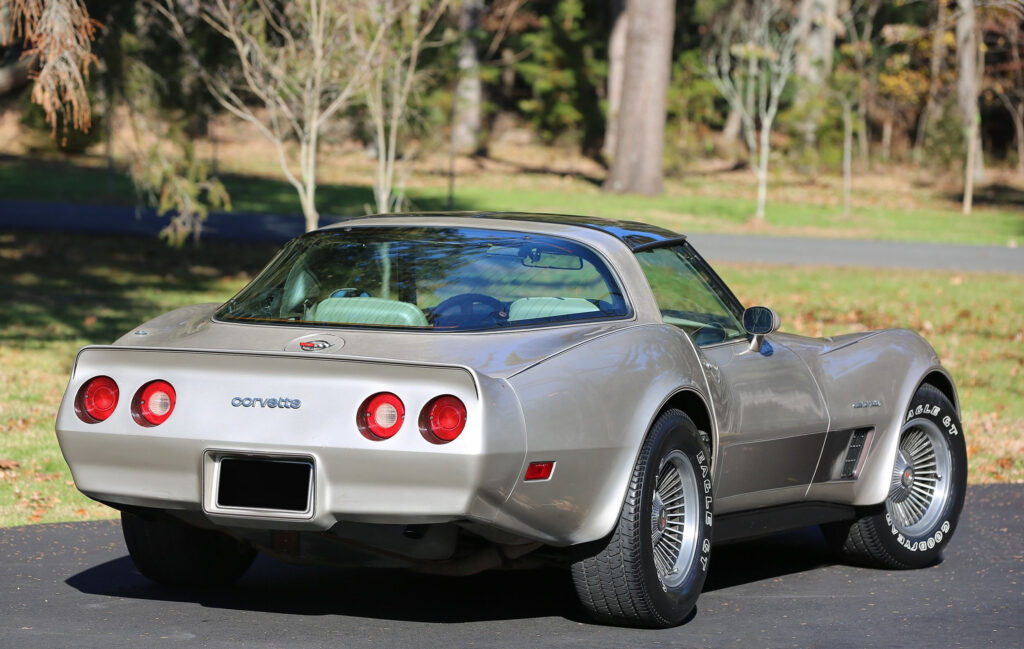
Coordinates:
<point>274,439</point>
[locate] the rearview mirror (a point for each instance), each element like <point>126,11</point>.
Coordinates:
<point>534,257</point>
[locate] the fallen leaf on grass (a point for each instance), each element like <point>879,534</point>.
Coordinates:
<point>9,465</point>
<point>1005,463</point>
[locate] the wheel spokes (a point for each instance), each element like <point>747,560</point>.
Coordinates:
<point>917,491</point>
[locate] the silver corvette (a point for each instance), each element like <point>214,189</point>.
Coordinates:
<point>458,392</point>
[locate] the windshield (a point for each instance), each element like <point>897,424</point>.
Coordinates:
<point>449,279</point>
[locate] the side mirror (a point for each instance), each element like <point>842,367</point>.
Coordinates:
<point>759,321</point>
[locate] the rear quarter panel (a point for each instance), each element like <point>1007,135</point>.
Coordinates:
<point>588,409</point>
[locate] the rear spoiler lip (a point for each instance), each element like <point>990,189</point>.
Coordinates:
<point>280,354</point>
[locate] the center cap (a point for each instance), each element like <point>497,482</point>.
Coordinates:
<point>662,519</point>
<point>908,477</point>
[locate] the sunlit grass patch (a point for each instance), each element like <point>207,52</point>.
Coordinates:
<point>83,289</point>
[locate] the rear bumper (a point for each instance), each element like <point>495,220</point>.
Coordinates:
<point>350,484</point>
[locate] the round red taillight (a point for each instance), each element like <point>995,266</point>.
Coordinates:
<point>380,416</point>
<point>153,403</point>
<point>96,399</point>
<point>443,419</point>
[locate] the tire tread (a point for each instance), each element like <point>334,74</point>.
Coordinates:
<point>173,553</point>
<point>610,584</point>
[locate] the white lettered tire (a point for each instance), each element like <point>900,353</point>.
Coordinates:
<point>926,494</point>
<point>650,572</point>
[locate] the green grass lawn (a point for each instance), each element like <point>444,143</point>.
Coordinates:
<point>693,204</point>
<point>62,291</point>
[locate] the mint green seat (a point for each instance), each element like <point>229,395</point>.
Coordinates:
<point>368,310</point>
<point>529,308</point>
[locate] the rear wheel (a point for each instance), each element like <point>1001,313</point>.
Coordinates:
<point>926,493</point>
<point>652,569</point>
<point>174,553</point>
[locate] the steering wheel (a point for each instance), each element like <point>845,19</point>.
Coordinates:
<point>462,310</point>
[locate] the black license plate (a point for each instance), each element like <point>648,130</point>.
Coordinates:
<point>281,485</point>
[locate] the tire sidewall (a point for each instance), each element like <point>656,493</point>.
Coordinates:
<point>675,431</point>
<point>923,549</point>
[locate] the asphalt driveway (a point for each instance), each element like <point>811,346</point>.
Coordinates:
<point>72,585</point>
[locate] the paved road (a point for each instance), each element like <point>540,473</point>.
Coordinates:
<point>73,586</point>
<point>852,252</point>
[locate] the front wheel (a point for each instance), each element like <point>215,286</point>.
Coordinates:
<point>926,492</point>
<point>652,568</point>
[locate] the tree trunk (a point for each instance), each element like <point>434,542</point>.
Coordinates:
<point>814,62</point>
<point>863,145</point>
<point>847,157</point>
<point>307,193</point>
<point>887,134</point>
<point>972,154</point>
<point>938,55</point>
<point>731,130</point>
<point>640,133</point>
<point>1018,128</point>
<point>762,171</point>
<point>967,93</point>
<point>469,90</point>
<point>616,61</point>
<point>15,75</point>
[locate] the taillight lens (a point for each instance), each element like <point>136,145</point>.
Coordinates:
<point>443,419</point>
<point>380,416</point>
<point>96,399</point>
<point>153,403</point>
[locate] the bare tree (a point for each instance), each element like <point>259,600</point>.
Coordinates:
<point>394,74</point>
<point>844,88</point>
<point>859,22</point>
<point>60,34</point>
<point>299,64</point>
<point>640,132</point>
<point>749,59</point>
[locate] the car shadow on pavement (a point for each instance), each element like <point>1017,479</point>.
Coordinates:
<point>382,593</point>
<point>768,558</point>
<point>378,593</point>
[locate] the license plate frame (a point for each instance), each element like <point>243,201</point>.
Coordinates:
<point>276,486</point>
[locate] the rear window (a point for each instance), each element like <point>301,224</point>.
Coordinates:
<point>446,279</point>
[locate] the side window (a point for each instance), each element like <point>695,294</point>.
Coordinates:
<point>689,297</point>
